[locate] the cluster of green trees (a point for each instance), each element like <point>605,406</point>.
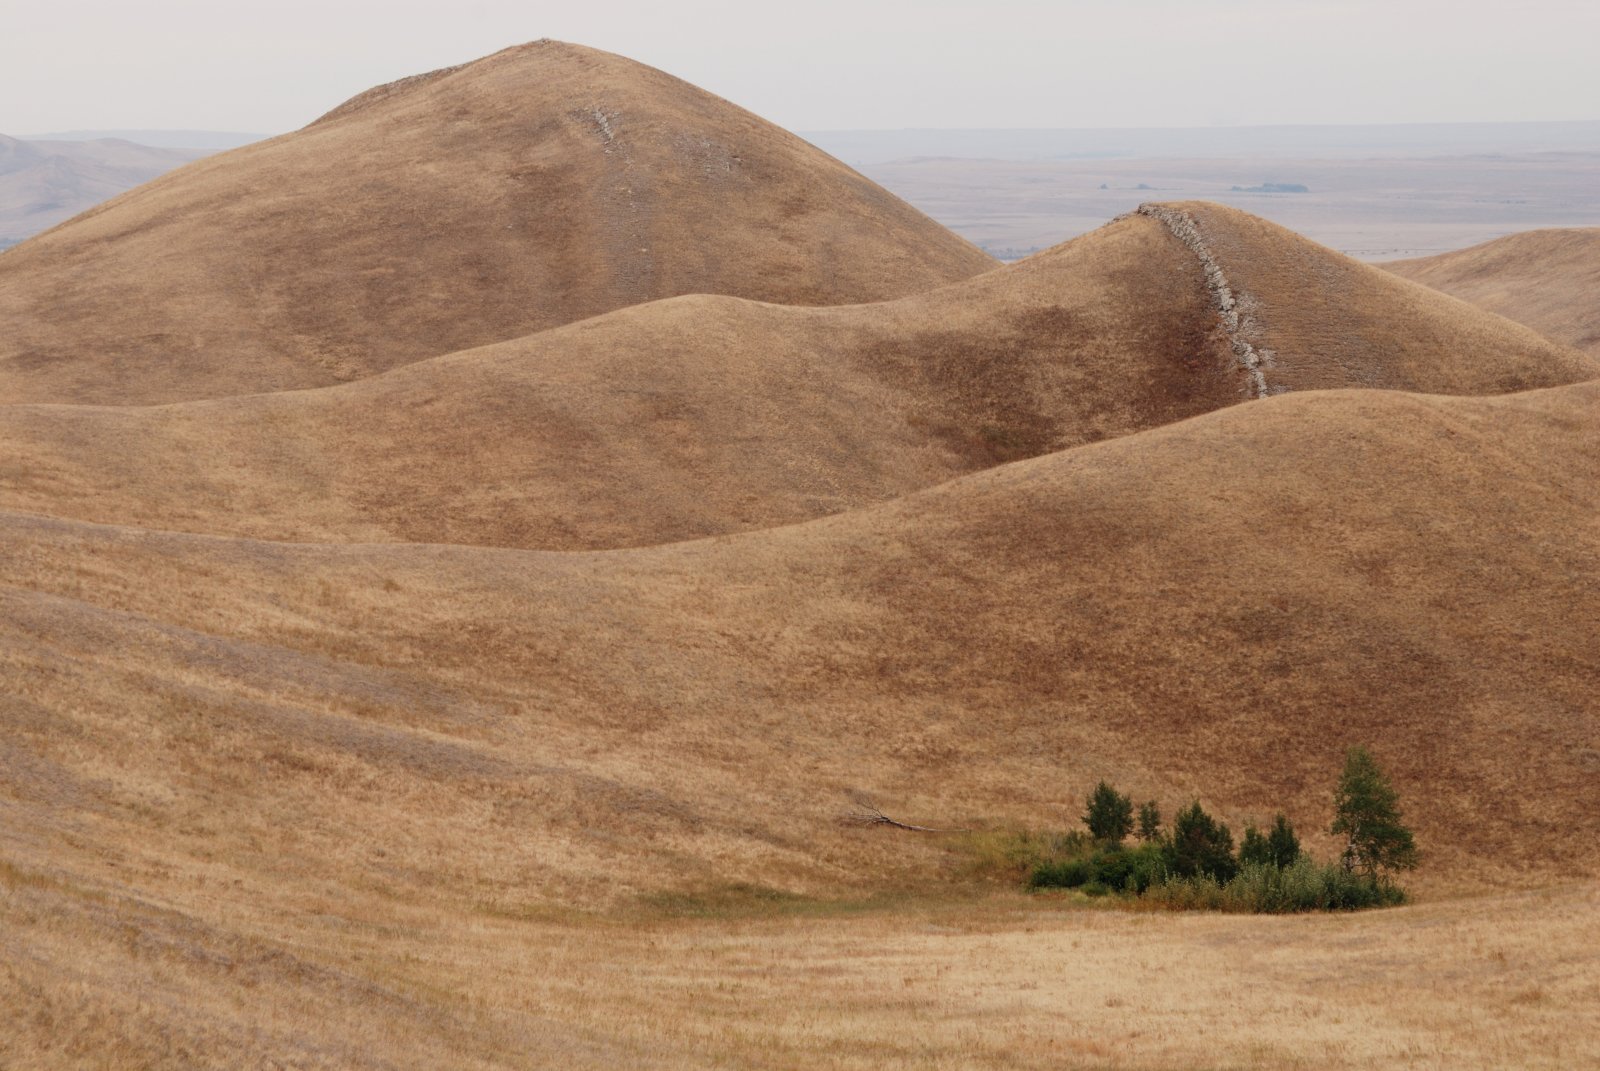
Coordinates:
<point>1195,864</point>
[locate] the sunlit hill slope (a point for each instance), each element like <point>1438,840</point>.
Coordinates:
<point>538,186</point>
<point>1548,279</point>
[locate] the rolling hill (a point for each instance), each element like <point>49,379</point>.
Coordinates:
<point>541,185</point>
<point>461,563</point>
<point>1309,318</point>
<point>1215,607</point>
<point>1547,279</point>
<point>367,806</point>
<point>704,415</point>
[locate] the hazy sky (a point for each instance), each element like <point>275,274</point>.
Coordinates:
<point>828,64</point>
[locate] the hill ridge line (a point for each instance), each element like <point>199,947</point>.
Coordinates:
<point>1185,228</point>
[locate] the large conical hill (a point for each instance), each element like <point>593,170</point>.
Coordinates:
<point>538,186</point>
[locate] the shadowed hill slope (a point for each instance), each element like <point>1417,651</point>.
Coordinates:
<point>700,416</point>
<point>538,186</point>
<point>1215,607</point>
<point>1547,279</point>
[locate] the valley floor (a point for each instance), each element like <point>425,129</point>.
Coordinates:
<point>1004,981</point>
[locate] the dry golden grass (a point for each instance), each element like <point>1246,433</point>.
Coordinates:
<point>382,797</point>
<point>98,979</point>
<point>1329,321</point>
<point>689,417</point>
<point>1214,608</point>
<point>1547,279</point>
<point>532,188</point>
<point>700,416</point>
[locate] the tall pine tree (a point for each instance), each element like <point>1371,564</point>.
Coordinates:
<point>1367,813</point>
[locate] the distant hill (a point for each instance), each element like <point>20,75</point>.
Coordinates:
<point>203,140</point>
<point>541,185</point>
<point>43,183</point>
<point>1547,279</point>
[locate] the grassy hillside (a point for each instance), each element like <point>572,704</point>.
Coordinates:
<point>1217,605</point>
<point>462,563</point>
<point>541,185</point>
<point>1547,279</point>
<point>701,416</point>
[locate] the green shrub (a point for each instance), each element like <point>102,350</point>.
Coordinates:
<point>1198,893</point>
<point>1128,870</point>
<point>1132,868</point>
<point>1066,874</point>
<point>1260,888</point>
<point>1200,845</point>
<point>1303,885</point>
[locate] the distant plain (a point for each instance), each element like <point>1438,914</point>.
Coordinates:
<point>1375,193</point>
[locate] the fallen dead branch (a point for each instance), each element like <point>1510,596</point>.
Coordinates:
<point>869,815</point>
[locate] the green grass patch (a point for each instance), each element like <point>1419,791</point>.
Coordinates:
<point>1304,885</point>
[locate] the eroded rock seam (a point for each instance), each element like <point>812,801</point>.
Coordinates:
<point>635,266</point>
<point>1235,321</point>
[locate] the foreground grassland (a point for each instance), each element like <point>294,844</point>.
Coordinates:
<point>1511,980</point>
